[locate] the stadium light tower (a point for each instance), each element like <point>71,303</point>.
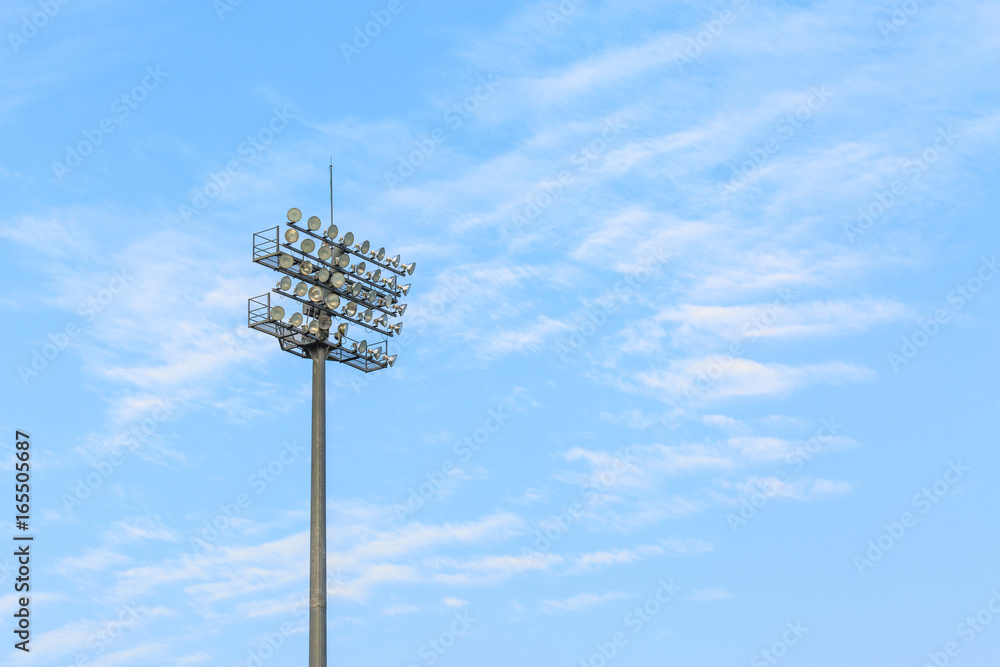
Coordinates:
<point>338,283</point>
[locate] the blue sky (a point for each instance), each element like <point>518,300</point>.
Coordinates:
<point>700,356</point>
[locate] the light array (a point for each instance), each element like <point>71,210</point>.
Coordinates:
<point>338,283</point>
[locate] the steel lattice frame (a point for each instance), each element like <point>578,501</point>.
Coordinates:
<point>380,296</point>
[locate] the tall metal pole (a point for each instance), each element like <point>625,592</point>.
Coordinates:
<point>317,514</point>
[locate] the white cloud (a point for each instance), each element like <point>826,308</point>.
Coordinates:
<point>709,595</point>
<point>400,609</point>
<point>720,377</point>
<point>579,602</point>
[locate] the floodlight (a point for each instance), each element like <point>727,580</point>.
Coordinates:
<point>410,268</point>
<point>405,289</point>
<point>328,275</point>
<point>400,309</point>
